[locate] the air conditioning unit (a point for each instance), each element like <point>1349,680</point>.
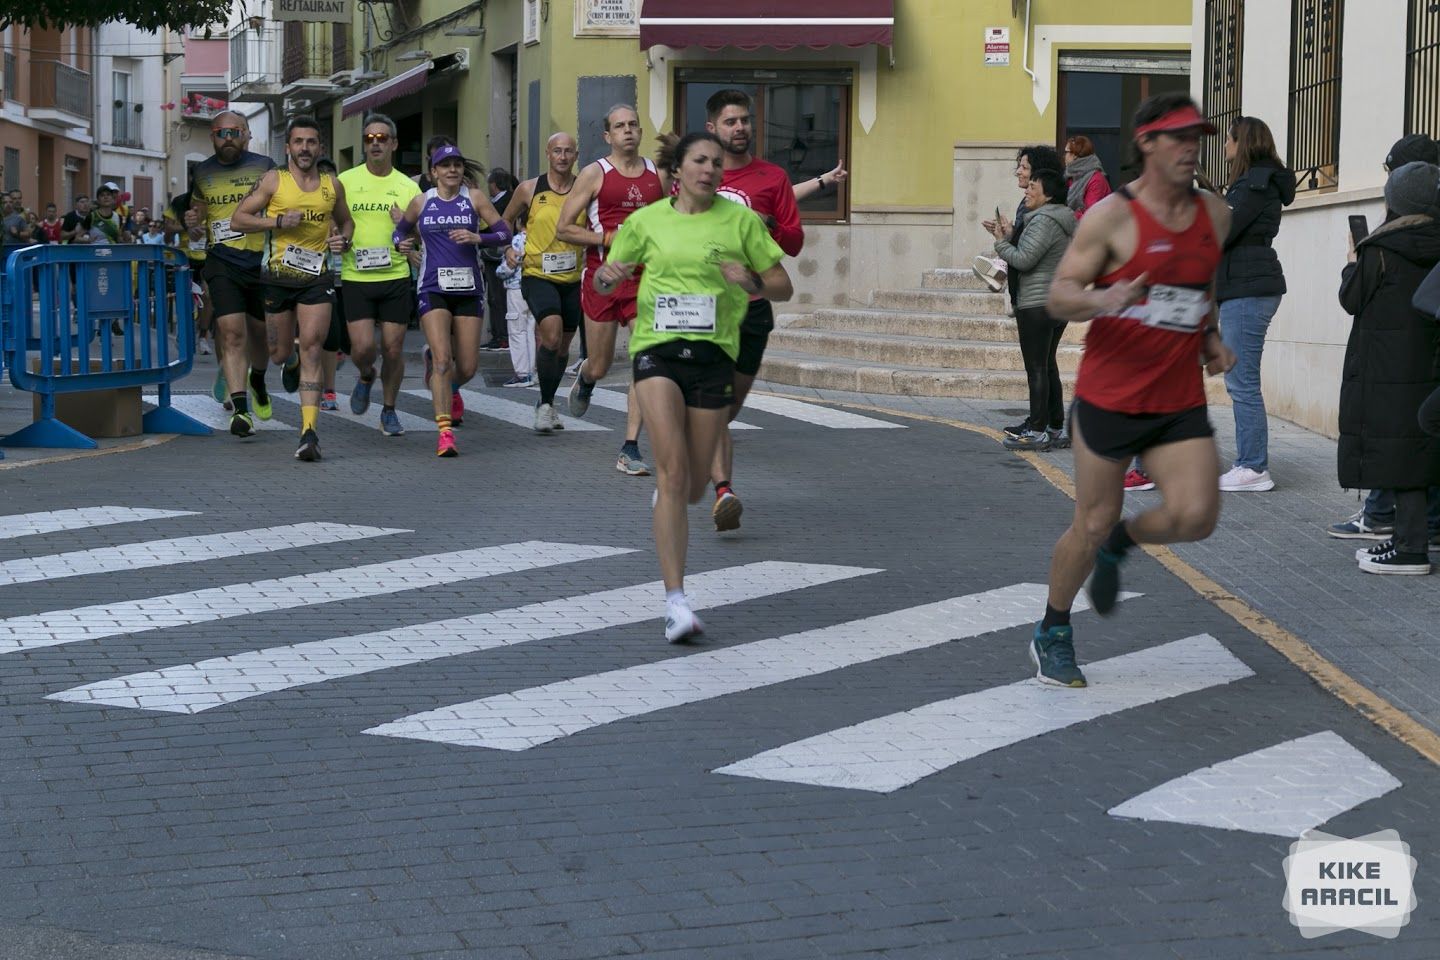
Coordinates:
<point>462,58</point>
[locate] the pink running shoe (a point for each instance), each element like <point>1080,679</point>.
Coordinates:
<point>457,409</point>
<point>446,446</point>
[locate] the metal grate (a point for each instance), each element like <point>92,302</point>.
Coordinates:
<point>1224,52</point>
<point>1316,29</point>
<point>1422,68</point>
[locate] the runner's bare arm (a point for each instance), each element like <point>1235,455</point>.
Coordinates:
<point>773,284</point>
<point>497,231</point>
<point>403,236</point>
<point>344,223</point>
<point>1085,261</point>
<point>249,216</point>
<point>573,227</point>
<point>520,201</point>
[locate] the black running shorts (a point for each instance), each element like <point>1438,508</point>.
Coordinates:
<point>234,289</point>
<point>338,339</point>
<point>546,298</point>
<point>703,371</point>
<point>385,301</point>
<point>280,298</point>
<point>754,335</point>
<point>456,304</point>
<point>1122,436</point>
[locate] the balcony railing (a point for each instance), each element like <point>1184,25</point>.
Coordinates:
<point>315,51</point>
<point>254,56</point>
<point>58,86</point>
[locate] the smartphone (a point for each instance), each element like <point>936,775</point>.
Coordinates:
<point>997,214</point>
<point>1359,228</point>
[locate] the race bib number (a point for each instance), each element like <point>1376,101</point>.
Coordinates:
<point>306,261</point>
<point>564,262</point>
<point>1176,308</point>
<point>220,231</point>
<point>685,313</point>
<point>456,279</point>
<point>197,246</point>
<point>372,258</point>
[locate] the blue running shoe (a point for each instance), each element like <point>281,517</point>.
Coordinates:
<point>290,373</point>
<point>360,396</point>
<point>217,389</point>
<point>1053,653</point>
<point>1104,586</point>
<point>390,423</point>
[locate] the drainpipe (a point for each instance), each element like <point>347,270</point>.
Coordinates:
<point>1025,57</point>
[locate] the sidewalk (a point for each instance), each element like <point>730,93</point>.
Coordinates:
<point>1271,550</point>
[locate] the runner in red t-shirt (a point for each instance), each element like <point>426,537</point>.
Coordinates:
<point>610,189</point>
<point>1151,251</point>
<point>765,188</point>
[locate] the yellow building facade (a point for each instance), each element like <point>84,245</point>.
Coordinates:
<point>927,122</point>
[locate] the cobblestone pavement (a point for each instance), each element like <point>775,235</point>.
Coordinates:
<point>389,706</point>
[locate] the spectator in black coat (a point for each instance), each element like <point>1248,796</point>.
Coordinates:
<point>1392,364</point>
<point>501,184</point>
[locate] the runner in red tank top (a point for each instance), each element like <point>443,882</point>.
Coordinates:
<point>610,190</point>
<point>765,188</point>
<point>1151,252</point>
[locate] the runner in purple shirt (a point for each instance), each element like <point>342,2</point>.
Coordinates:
<point>453,224</point>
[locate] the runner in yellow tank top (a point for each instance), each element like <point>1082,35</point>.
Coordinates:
<point>306,218</point>
<point>550,281</point>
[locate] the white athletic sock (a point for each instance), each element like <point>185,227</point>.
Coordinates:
<point>676,598</point>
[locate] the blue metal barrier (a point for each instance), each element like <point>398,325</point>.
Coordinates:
<point>62,309</point>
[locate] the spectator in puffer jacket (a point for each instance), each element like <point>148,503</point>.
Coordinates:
<point>1049,225</point>
<point>1392,365</point>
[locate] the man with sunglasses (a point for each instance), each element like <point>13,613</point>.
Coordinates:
<point>376,283</point>
<point>232,267</point>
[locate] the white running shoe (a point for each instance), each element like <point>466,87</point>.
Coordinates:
<point>554,415</point>
<point>681,624</point>
<point>543,414</point>
<point>1245,480</point>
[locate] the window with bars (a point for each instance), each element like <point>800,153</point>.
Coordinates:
<point>1422,68</point>
<point>1316,29</point>
<point>1224,50</point>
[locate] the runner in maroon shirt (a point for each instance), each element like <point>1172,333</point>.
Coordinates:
<point>1151,252</point>
<point>765,188</point>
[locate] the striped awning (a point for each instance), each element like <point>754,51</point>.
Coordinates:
<point>781,24</point>
<point>411,81</point>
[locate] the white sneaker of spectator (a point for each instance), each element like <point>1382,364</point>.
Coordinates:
<point>991,270</point>
<point>1244,480</point>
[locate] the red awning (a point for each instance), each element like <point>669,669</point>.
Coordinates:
<point>781,24</point>
<point>411,81</point>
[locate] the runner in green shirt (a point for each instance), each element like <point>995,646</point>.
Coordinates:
<point>704,257</point>
<point>376,285</point>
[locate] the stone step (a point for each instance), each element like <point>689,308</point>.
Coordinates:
<point>862,376</point>
<point>859,376</point>
<point>952,278</point>
<point>909,324</point>
<point>965,302</point>
<point>904,351</point>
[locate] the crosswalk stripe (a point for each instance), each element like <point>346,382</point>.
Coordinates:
<point>370,419</point>
<point>193,688</point>
<point>509,411</point>
<point>611,400</point>
<point>528,718</point>
<point>818,415</point>
<point>890,752</point>
<point>285,593</point>
<point>161,553</point>
<point>79,518</point>
<point>204,408</point>
<point>1285,790</point>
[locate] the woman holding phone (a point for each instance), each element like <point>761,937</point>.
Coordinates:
<point>1248,287</point>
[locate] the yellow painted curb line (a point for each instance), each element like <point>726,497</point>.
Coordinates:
<point>1367,702</point>
<point>144,443</point>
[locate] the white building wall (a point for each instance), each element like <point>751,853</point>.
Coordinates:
<point>1305,348</point>
<point>122,47</point>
